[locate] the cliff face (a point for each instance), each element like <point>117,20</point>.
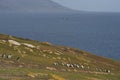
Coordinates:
<point>31,6</point>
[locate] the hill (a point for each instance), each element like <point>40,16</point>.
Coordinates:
<point>32,6</point>
<point>23,59</point>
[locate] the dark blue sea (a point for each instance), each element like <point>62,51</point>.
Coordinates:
<point>98,33</point>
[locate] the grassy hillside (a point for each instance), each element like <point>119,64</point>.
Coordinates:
<point>24,59</point>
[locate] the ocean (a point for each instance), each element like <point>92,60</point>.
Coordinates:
<point>98,33</point>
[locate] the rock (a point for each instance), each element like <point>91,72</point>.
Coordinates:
<point>20,66</point>
<point>31,50</point>
<point>57,53</point>
<point>13,42</point>
<point>51,68</point>
<point>75,70</point>
<point>2,41</point>
<point>63,69</point>
<point>31,75</point>
<point>54,58</point>
<point>29,45</point>
<point>47,43</point>
<point>38,47</point>
<point>63,64</point>
<point>50,52</point>
<point>44,55</point>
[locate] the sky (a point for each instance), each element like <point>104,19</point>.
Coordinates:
<point>92,5</point>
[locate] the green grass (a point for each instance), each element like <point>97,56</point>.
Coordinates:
<point>66,75</point>
<point>4,79</point>
<point>34,62</point>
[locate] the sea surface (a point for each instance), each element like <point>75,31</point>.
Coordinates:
<point>97,33</point>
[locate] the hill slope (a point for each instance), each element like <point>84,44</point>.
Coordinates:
<point>23,59</point>
<point>31,6</point>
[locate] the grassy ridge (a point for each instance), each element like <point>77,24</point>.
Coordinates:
<point>24,59</point>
